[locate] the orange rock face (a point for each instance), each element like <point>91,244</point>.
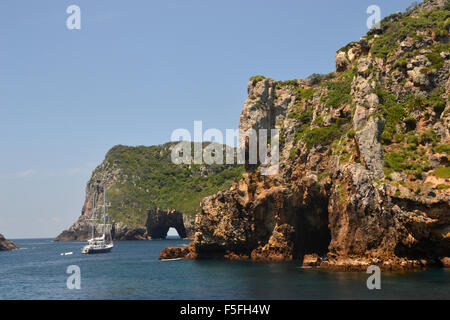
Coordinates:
<point>187,252</point>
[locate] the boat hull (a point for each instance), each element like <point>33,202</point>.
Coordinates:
<point>96,250</point>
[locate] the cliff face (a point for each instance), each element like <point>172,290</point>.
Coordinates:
<point>6,245</point>
<point>139,178</point>
<point>364,174</point>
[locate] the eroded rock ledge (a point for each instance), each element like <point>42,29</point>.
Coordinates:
<point>6,245</point>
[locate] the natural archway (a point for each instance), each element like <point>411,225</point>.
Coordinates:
<point>160,221</point>
<point>172,234</point>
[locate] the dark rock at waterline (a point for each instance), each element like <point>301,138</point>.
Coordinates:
<point>157,225</point>
<point>6,245</point>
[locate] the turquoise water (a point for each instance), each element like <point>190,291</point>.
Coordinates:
<point>132,271</point>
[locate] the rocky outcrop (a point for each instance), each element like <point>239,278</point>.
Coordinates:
<point>187,252</point>
<point>342,62</point>
<point>445,262</point>
<point>159,222</point>
<point>369,146</point>
<point>122,232</point>
<point>6,245</point>
<point>364,176</point>
<point>79,231</point>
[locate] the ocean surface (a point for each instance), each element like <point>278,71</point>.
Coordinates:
<point>132,271</point>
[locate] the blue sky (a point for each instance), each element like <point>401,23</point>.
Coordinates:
<point>136,71</point>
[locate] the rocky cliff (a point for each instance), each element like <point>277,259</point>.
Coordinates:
<point>6,245</point>
<point>364,167</point>
<point>139,179</point>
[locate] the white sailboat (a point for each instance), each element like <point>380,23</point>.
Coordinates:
<point>100,244</point>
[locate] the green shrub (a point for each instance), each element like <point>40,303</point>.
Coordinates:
<point>322,175</point>
<point>323,135</point>
<point>305,94</point>
<point>300,132</point>
<point>442,172</point>
<point>293,153</point>
<point>318,121</point>
<point>386,137</point>
<point>428,136</point>
<point>304,116</point>
<point>412,142</point>
<point>420,103</point>
<point>411,138</point>
<point>437,62</point>
<point>397,161</point>
<point>338,92</point>
<point>386,98</point>
<point>439,109</point>
<point>393,115</point>
<point>351,133</point>
<point>287,83</point>
<point>415,103</point>
<point>398,137</point>
<point>410,123</point>
<point>437,102</point>
<point>401,63</point>
<point>348,46</point>
<point>317,78</point>
<point>256,79</point>
<point>446,24</point>
<point>443,148</point>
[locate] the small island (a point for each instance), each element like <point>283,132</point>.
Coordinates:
<point>6,245</point>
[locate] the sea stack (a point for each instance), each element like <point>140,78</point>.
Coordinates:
<point>6,245</point>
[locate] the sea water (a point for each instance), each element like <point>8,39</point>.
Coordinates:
<point>132,271</point>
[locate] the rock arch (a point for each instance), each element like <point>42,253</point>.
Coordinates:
<point>160,221</point>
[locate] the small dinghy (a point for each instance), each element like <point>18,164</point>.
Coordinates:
<point>66,253</point>
<point>175,259</point>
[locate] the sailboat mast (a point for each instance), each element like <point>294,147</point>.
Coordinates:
<point>104,212</point>
<point>93,215</point>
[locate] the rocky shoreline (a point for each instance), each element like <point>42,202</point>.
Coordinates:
<point>364,161</point>
<point>349,264</point>
<point>7,245</point>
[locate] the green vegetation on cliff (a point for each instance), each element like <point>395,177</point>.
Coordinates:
<point>146,176</point>
<point>397,27</point>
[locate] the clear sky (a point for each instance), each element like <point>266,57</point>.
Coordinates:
<point>136,71</point>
